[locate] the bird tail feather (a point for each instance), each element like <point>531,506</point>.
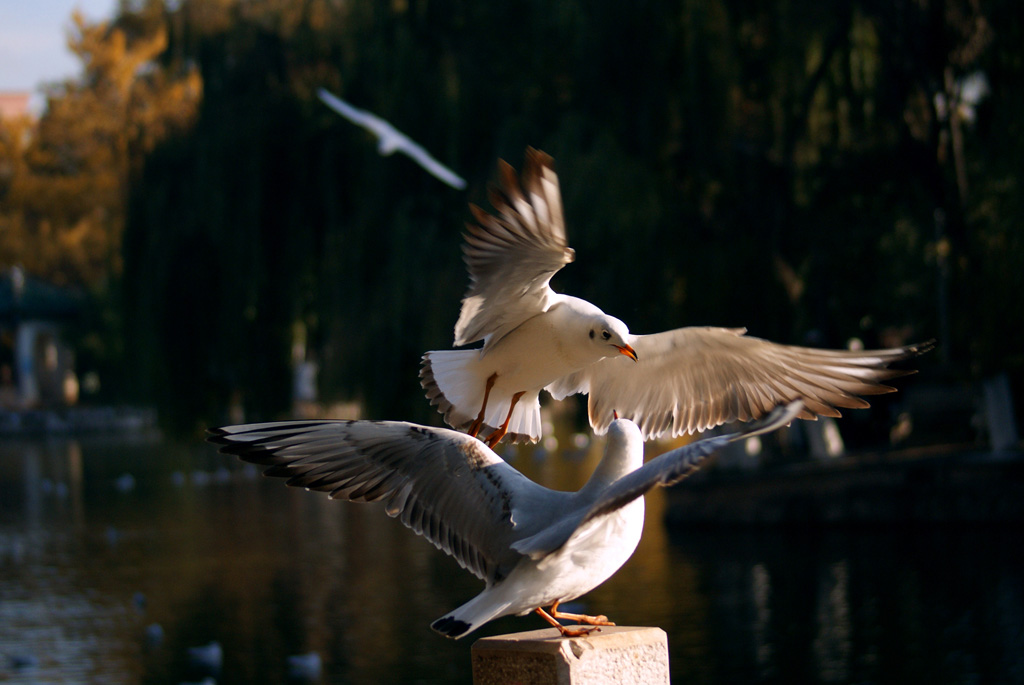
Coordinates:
<point>455,384</point>
<point>470,616</point>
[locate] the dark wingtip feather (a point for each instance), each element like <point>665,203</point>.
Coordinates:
<point>920,348</point>
<point>225,445</point>
<point>450,627</point>
<point>216,436</point>
<point>253,451</point>
<point>912,351</point>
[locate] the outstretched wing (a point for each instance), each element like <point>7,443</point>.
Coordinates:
<point>512,255</point>
<point>354,114</point>
<point>446,486</point>
<point>691,379</point>
<point>391,139</point>
<point>675,465</point>
<point>666,469</point>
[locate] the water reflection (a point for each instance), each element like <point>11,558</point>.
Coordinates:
<point>90,572</point>
<point>931,605</point>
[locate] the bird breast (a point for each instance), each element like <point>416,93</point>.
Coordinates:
<point>538,352</point>
<point>594,552</point>
<point>606,542</point>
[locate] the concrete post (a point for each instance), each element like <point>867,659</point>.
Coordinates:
<point>617,655</point>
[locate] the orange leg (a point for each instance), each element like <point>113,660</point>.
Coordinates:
<point>580,618</point>
<point>495,437</point>
<point>566,632</point>
<point>474,427</point>
<point>593,621</point>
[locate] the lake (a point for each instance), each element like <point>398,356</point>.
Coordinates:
<point>117,556</point>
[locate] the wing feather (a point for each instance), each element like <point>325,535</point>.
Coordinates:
<point>673,466</point>
<point>702,377</point>
<point>512,255</point>
<point>444,485</point>
<point>666,469</point>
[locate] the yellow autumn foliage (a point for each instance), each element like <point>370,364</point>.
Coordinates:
<point>64,178</point>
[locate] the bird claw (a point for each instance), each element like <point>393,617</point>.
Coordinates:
<point>601,620</point>
<point>578,631</point>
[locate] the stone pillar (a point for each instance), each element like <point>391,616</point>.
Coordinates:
<point>617,655</point>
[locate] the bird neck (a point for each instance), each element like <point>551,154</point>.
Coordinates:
<point>618,461</point>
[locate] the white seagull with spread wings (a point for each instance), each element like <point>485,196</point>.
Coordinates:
<point>533,547</point>
<point>391,140</point>
<point>680,381</point>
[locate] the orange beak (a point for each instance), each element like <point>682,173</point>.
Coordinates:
<point>628,351</point>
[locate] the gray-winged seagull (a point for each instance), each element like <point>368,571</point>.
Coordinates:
<point>532,546</point>
<point>680,381</point>
<point>390,139</point>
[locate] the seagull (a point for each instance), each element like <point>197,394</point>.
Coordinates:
<point>676,382</point>
<point>391,139</point>
<point>533,547</point>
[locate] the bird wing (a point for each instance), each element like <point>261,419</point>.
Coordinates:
<point>666,469</point>
<point>391,139</point>
<point>675,465</point>
<point>512,255</point>
<point>691,379</point>
<point>446,486</point>
<point>353,114</point>
<point>419,154</point>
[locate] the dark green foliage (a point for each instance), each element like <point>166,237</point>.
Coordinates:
<point>777,166</point>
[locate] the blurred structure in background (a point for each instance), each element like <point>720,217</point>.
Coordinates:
<point>847,171</point>
<point>37,366</point>
<point>14,104</point>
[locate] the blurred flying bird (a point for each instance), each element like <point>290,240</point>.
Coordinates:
<point>680,381</point>
<point>532,546</point>
<point>391,139</point>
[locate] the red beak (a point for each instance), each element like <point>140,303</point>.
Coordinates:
<point>628,351</point>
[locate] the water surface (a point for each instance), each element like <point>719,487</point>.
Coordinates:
<point>102,540</point>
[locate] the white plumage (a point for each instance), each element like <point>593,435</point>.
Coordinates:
<point>390,139</point>
<point>532,546</point>
<point>675,382</point>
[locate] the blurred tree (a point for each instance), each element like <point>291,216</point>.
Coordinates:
<point>64,191</point>
<point>814,172</point>
<point>63,207</point>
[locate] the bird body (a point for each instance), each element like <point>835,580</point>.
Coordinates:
<point>675,382</point>
<point>591,555</point>
<point>532,546</point>
<point>390,139</point>
<point>528,358</point>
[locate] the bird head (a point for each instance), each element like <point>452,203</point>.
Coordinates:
<point>612,335</point>
<point>624,448</point>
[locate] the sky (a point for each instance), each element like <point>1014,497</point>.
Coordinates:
<point>33,40</point>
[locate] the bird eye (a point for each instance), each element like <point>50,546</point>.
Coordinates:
<point>606,335</point>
